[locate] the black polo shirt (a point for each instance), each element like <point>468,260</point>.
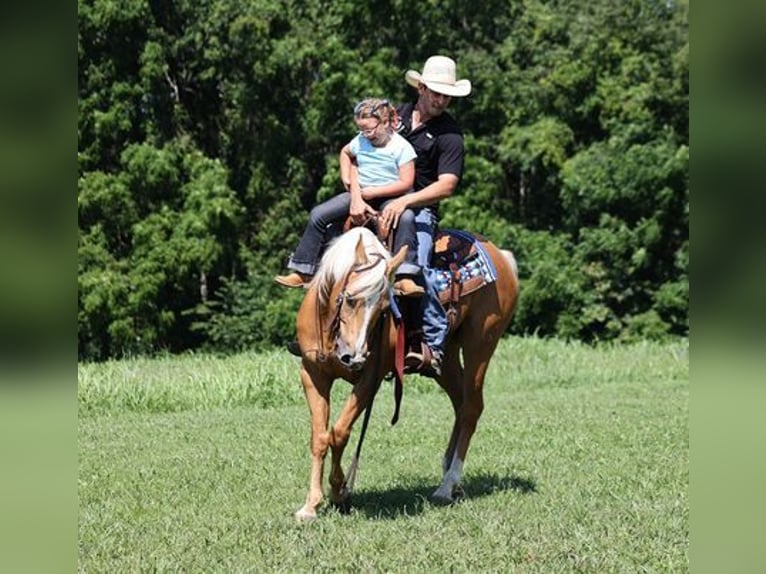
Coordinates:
<point>438,143</point>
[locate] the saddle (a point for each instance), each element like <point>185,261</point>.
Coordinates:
<point>459,266</point>
<point>460,263</point>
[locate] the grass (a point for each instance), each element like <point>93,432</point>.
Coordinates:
<point>579,464</point>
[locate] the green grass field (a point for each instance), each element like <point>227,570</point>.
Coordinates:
<point>579,464</point>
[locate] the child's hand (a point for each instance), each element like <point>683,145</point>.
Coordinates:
<point>360,211</point>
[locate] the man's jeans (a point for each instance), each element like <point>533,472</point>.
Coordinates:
<point>435,324</point>
<point>326,221</point>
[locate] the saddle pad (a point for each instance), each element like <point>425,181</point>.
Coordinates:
<point>460,249</point>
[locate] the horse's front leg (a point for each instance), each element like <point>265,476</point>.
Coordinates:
<point>317,390</point>
<point>359,399</point>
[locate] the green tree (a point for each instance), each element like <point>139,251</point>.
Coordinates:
<point>207,130</point>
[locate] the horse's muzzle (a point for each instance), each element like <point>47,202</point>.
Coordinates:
<point>352,362</point>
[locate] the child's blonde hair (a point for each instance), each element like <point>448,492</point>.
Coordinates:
<point>376,108</point>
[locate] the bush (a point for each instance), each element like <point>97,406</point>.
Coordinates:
<point>249,314</point>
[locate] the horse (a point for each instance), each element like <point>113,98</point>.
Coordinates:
<point>346,330</point>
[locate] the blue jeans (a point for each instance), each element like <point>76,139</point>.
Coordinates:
<point>326,221</point>
<point>435,324</point>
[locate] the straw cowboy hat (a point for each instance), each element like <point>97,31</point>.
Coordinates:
<point>439,76</point>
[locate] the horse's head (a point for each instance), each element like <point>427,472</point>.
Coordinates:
<point>356,294</point>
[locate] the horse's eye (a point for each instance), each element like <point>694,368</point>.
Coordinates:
<point>350,300</point>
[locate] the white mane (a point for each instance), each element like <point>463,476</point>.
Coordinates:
<point>340,258</point>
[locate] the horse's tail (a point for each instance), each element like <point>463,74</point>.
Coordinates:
<point>514,266</point>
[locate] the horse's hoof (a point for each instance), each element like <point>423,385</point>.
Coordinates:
<point>306,515</point>
<point>441,498</point>
<point>444,496</point>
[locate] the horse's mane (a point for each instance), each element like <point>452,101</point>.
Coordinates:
<point>340,258</point>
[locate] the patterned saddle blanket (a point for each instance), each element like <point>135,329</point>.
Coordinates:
<point>460,264</point>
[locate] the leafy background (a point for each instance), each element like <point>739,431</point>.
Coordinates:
<point>208,129</point>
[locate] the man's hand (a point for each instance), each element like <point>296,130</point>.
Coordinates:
<point>393,211</point>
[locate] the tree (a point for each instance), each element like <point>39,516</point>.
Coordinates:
<point>208,129</point>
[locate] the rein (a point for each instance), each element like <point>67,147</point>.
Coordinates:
<point>381,231</point>
<point>348,482</point>
<point>322,356</point>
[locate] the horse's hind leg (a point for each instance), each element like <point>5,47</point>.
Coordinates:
<point>451,381</point>
<point>476,355</point>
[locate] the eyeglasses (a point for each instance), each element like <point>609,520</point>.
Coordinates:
<point>370,131</point>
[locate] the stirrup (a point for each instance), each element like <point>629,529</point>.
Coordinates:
<point>426,363</point>
<point>416,362</point>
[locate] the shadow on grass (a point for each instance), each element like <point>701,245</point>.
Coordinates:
<point>412,499</point>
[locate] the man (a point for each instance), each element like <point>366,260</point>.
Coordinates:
<point>438,142</point>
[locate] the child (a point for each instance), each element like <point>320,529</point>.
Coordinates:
<point>386,170</point>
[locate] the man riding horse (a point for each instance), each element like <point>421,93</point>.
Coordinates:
<point>438,142</point>
<point>347,324</point>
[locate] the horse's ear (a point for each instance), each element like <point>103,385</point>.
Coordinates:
<point>361,253</point>
<point>396,260</point>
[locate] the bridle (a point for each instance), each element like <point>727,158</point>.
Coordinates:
<point>337,319</point>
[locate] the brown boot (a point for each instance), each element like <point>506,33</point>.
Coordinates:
<point>293,280</point>
<point>408,288</point>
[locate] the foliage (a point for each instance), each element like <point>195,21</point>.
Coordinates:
<point>248,315</point>
<point>173,220</point>
<point>208,129</point>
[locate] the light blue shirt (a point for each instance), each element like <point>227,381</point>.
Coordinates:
<point>380,165</point>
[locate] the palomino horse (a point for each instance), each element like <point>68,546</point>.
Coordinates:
<point>345,332</point>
